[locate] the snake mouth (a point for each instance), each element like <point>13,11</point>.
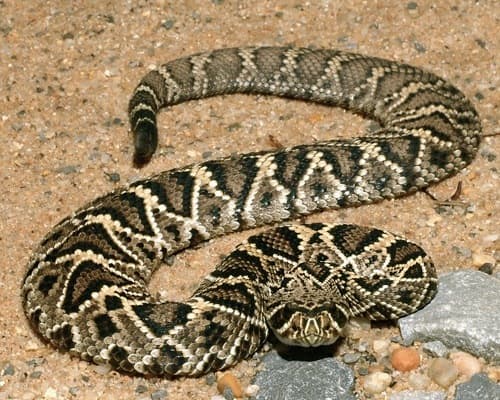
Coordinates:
<point>309,331</point>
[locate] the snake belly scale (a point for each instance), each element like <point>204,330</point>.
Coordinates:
<point>86,291</point>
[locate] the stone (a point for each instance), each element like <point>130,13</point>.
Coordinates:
<point>299,377</point>
<point>7,369</point>
<point>418,395</point>
<point>479,259</point>
<point>50,394</point>
<point>435,349</point>
<point>478,387</point>
<point>443,372</point>
<point>405,359</point>
<point>252,390</point>
<point>351,358</point>
<point>381,346</point>
<point>418,381</point>
<point>229,381</point>
<point>466,364</point>
<point>452,317</point>
<point>376,382</point>
<point>160,394</point>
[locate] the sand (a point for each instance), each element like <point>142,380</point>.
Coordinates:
<point>67,73</point>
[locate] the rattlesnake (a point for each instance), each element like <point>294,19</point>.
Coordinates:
<point>86,285</point>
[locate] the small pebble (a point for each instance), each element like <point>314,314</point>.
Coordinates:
<point>229,381</point>
<point>491,238</point>
<point>111,72</point>
<point>8,369</point>
<point>351,358</point>
<point>159,395</point>
<point>68,169</point>
<point>376,382</point>
<point>36,362</point>
<point>50,394</point>
<point>462,251</point>
<point>381,347</point>
<point>210,379</point>
<point>479,259</point>
<point>405,359</point>
<point>418,381</point>
<point>435,349</point>
<point>113,177</point>
<point>141,389</point>
<point>466,364</point>
<point>411,5</point>
<point>443,372</point>
<point>228,394</point>
<point>36,374</point>
<point>252,390</point>
<point>487,268</point>
<point>397,339</point>
<point>363,347</point>
<point>168,24</point>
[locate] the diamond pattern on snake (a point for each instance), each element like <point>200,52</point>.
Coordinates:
<point>86,286</point>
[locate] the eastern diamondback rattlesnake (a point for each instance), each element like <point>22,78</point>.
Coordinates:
<point>86,285</point>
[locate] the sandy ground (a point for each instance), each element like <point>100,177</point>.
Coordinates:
<point>66,77</point>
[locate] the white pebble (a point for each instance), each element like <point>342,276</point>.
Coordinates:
<point>50,394</point>
<point>109,73</point>
<point>418,381</point>
<point>443,372</point>
<point>376,382</point>
<point>491,238</point>
<point>252,390</point>
<point>466,364</point>
<point>381,347</point>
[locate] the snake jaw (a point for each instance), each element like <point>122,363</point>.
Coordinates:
<point>295,326</point>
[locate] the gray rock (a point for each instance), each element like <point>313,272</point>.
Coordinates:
<point>351,358</point>
<point>418,395</point>
<point>160,394</point>
<point>436,349</point>
<point>464,315</point>
<point>283,379</point>
<point>478,387</point>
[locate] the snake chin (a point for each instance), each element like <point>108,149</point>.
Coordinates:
<point>306,327</point>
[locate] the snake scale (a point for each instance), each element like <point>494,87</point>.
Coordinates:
<point>86,290</point>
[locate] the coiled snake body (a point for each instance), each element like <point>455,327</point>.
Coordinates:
<point>86,285</point>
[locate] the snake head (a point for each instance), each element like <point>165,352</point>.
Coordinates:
<point>306,324</point>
